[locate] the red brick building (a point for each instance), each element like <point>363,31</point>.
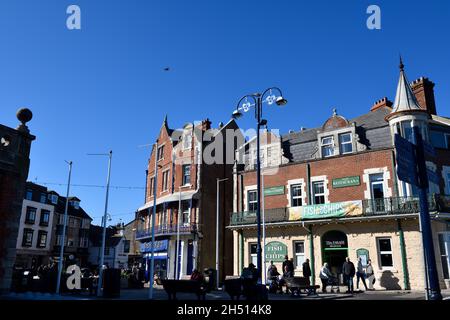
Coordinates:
<point>186,198</point>
<point>335,193</point>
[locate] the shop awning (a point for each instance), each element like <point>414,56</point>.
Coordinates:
<point>174,197</point>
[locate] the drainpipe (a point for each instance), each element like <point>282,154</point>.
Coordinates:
<point>403,254</point>
<point>308,182</point>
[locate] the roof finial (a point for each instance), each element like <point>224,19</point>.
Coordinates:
<point>401,66</point>
<point>334,112</point>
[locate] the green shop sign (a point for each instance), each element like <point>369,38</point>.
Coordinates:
<point>275,251</point>
<point>274,191</point>
<point>346,182</point>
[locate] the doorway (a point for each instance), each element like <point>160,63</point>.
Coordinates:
<point>334,251</point>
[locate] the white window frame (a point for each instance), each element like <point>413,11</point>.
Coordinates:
<point>327,145</point>
<point>40,234</point>
<point>340,135</point>
<point>379,252</point>
<point>160,156</point>
<point>184,176</point>
<point>386,177</point>
<point>297,255</point>
<point>445,235</point>
<point>248,200</point>
<point>325,187</point>
<point>165,182</point>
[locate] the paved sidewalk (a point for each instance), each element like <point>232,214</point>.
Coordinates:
<point>159,294</point>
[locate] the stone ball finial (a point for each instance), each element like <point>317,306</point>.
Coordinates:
<point>24,115</point>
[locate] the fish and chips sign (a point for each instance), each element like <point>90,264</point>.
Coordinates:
<point>326,210</point>
<point>275,251</point>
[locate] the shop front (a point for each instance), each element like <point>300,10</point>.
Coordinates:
<point>160,257</point>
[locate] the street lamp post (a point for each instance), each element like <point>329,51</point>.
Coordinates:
<point>105,217</point>
<point>217,229</point>
<point>152,252</point>
<point>258,100</point>
<point>61,251</point>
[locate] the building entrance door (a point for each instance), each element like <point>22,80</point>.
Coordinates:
<point>334,251</point>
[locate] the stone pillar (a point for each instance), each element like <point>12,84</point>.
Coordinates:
<point>15,145</point>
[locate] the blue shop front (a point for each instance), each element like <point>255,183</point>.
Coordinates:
<point>160,256</point>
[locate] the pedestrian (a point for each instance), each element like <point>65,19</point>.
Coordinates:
<point>370,274</point>
<point>272,277</point>
<point>325,277</point>
<point>348,270</point>
<point>197,276</point>
<point>306,270</point>
<point>360,274</point>
<point>288,267</point>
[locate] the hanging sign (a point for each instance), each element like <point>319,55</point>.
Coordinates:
<point>275,251</point>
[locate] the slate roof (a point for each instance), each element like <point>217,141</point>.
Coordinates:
<point>372,128</point>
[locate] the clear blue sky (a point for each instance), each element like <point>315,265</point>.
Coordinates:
<point>103,87</point>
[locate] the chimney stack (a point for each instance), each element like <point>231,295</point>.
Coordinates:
<point>423,89</point>
<point>384,102</point>
<point>206,125</point>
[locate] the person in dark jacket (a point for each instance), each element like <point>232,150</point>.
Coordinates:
<point>348,270</point>
<point>306,270</point>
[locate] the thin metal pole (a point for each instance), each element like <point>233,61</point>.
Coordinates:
<point>152,253</point>
<point>177,257</point>
<point>217,228</point>
<point>217,233</point>
<point>424,216</point>
<point>102,256</point>
<point>61,251</point>
<point>263,231</point>
<point>258,182</point>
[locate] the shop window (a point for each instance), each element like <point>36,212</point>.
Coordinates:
<point>253,253</point>
<point>186,174</point>
<point>42,239</point>
<point>30,215</point>
<point>27,239</point>
<point>318,192</point>
<point>296,195</point>
<point>444,248</point>
<point>385,252</point>
<point>327,146</point>
<point>252,202</point>
<point>299,252</point>
<point>45,217</point>
<point>345,143</point>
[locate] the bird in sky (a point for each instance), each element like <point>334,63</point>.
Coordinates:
<point>166,69</point>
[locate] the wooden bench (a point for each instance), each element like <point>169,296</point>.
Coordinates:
<point>188,286</point>
<point>296,284</point>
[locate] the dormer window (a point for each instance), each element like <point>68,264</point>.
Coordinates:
<point>327,146</point>
<point>345,143</point>
<point>53,198</point>
<point>76,204</point>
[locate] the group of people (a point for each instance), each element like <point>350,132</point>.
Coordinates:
<point>277,280</point>
<point>348,272</point>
